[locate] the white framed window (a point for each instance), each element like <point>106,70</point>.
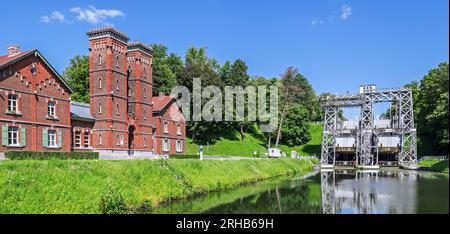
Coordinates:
<point>100,59</point>
<point>77,139</point>
<point>86,140</point>
<point>99,82</point>
<point>100,139</point>
<point>51,107</point>
<point>117,84</point>
<point>178,129</point>
<point>99,107</point>
<point>52,138</point>
<point>166,145</point>
<point>13,136</point>
<point>118,140</point>
<point>166,127</point>
<point>12,103</point>
<point>179,146</point>
<point>117,109</point>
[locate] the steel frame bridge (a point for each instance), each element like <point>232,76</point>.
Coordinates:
<point>366,134</point>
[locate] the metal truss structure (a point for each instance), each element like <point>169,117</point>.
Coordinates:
<point>366,134</point>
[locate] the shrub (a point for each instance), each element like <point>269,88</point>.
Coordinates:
<point>180,156</point>
<point>112,201</point>
<point>24,155</point>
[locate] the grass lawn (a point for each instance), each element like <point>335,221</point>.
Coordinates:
<point>77,186</point>
<point>435,165</point>
<point>235,147</point>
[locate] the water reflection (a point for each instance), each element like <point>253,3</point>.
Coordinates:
<point>329,192</point>
<point>369,192</point>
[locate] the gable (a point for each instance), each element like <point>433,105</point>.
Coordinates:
<point>20,68</point>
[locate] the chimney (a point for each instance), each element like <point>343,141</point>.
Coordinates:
<point>162,94</point>
<point>13,50</point>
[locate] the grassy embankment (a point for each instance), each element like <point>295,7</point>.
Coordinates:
<point>435,165</point>
<point>60,186</point>
<point>233,146</point>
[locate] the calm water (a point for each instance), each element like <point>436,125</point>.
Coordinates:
<point>330,192</point>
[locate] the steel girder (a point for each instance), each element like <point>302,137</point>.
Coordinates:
<point>402,121</point>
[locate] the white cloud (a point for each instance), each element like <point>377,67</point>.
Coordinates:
<point>54,16</point>
<point>344,14</point>
<point>346,11</point>
<point>45,19</point>
<point>93,15</point>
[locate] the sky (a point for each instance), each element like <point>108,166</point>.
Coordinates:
<point>337,45</point>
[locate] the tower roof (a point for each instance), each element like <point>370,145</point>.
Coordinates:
<point>108,32</point>
<point>139,46</point>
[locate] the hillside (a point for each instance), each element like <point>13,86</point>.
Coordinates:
<point>233,146</point>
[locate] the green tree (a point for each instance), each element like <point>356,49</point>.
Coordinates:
<point>432,110</point>
<point>165,69</point>
<point>77,76</point>
<point>296,126</point>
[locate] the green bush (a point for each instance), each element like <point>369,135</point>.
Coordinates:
<point>180,156</point>
<point>25,155</point>
<point>112,201</point>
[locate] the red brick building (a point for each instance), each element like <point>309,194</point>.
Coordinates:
<point>170,129</point>
<point>34,103</point>
<point>121,120</point>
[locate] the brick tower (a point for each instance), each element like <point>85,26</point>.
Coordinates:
<point>108,89</point>
<point>139,57</point>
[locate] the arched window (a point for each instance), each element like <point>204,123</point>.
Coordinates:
<point>100,139</point>
<point>117,109</point>
<point>117,61</point>
<point>118,139</point>
<point>117,84</point>
<point>99,82</point>
<point>145,93</point>
<point>99,107</point>
<point>100,59</point>
<point>145,114</point>
<point>145,73</point>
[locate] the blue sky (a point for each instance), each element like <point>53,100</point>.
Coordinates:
<point>336,44</point>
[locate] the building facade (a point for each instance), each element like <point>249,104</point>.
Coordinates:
<point>121,120</point>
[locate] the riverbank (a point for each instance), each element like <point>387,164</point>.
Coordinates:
<point>96,186</point>
<point>434,165</point>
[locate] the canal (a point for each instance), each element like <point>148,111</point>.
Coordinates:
<point>389,191</point>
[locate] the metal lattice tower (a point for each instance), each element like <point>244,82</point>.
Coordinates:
<point>366,133</point>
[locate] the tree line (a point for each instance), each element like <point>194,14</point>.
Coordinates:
<point>299,103</point>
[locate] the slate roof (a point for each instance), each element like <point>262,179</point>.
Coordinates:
<point>80,111</point>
